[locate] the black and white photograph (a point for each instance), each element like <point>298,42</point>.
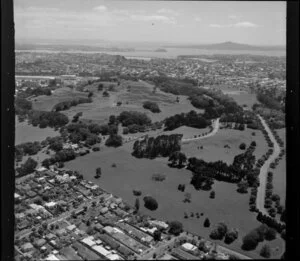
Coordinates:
<point>149,130</point>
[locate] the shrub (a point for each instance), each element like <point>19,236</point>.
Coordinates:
<point>270,234</point>
<point>137,192</point>
<point>212,194</point>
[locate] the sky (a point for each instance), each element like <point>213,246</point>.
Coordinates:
<point>195,22</point>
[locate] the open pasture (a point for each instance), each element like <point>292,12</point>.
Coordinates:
<point>46,103</point>
<point>102,107</point>
<point>131,173</point>
<point>214,150</point>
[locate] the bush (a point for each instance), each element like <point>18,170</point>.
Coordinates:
<point>150,203</point>
<point>175,228</point>
<point>212,194</point>
<point>265,251</point>
<point>152,106</point>
<point>137,192</point>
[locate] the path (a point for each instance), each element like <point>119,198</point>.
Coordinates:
<point>261,192</point>
<point>214,131</point>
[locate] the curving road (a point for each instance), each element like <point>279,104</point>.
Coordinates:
<point>261,192</point>
<point>216,126</point>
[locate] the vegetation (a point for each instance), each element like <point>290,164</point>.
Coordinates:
<point>163,145</point>
<point>230,236</point>
<point>28,148</point>
<point>150,203</point>
<point>98,173</point>
<point>265,251</point>
<point>27,168</point>
<point>22,106</point>
<point>61,156</point>
<point>114,141</point>
<point>65,105</point>
<point>152,106</point>
<point>177,159</point>
<point>206,223</point>
<point>191,119</point>
<point>219,232</point>
<point>175,228</point>
<point>158,177</point>
<point>47,119</point>
<point>133,117</point>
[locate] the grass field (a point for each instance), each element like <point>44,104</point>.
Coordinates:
<point>26,133</point>
<point>102,107</point>
<point>228,206</point>
<point>213,148</point>
<point>188,132</point>
<point>46,103</point>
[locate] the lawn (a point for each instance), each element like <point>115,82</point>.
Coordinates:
<point>25,132</point>
<point>132,173</point>
<point>70,253</point>
<point>213,147</point>
<point>46,103</point>
<point>102,107</point>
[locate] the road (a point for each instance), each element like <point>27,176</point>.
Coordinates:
<point>231,252</point>
<point>261,192</point>
<point>214,131</point>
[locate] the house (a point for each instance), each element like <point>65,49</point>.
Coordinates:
<point>71,227</point>
<point>51,257</point>
<point>27,247</point>
<point>189,247</point>
<point>89,241</point>
<point>104,210</point>
<point>61,232</point>
<point>158,223</point>
<point>114,257</point>
<point>101,250</point>
<point>50,236</point>
<point>17,196</point>
<point>40,242</point>
<point>50,204</point>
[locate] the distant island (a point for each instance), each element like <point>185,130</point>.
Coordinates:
<point>161,50</point>
<point>229,46</point>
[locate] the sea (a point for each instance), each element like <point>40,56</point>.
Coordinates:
<point>170,53</point>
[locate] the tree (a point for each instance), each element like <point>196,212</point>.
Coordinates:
<point>100,87</point>
<point>98,173</point>
<point>270,234</point>
<point>242,146</point>
<point>231,236</point>
<point>105,94</point>
<point>265,251</point>
<point>212,194</point>
<point>90,94</point>
<point>114,141</point>
<point>250,241</point>
<point>150,203</point>
<point>175,228</point>
<point>219,232</point>
<point>206,223</point>
<point>157,235</point>
<point>137,204</point>
<point>28,167</point>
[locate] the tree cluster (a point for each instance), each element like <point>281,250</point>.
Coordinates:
<point>191,119</point>
<point>175,228</point>
<point>22,106</point>
<point>47,119</point>
<point>151,106</point>
<point>28,148</point>
<point>114,140</point>
<point>27,168</point>
<point>177,159</point>
<point>163,145</point>
<point>271,222</point>
<point>65,105</point>
<point>133,117</point>
<point>61,156</point>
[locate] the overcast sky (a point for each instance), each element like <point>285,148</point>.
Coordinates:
<point>259,23</point>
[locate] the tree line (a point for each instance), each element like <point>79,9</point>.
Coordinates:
<point>162,145</point>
